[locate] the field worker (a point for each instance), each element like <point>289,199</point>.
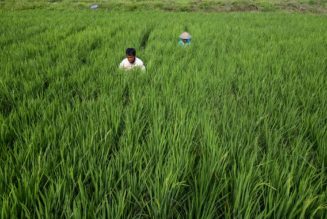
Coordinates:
<point>184,39</point>
<point>131,61</point>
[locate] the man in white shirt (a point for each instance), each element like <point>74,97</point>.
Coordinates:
<point>131,61</point>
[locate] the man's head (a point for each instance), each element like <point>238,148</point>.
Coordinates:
<point>185,37</point>
<point>130,55</point>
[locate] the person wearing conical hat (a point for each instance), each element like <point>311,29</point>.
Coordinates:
<point>184,39</point>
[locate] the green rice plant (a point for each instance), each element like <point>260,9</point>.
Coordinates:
<point>233,126</point>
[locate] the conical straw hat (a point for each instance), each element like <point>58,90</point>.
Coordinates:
<point>185,36</point>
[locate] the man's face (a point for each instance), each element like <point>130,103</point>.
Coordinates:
<point>184,40</point>
<point>131,59</point>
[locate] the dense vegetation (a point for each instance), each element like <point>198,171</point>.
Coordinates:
<point>233,126</point>
<point>317,6</point>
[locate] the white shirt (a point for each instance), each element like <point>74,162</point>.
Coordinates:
<point>125,64</point>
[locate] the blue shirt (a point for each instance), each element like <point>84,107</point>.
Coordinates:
<point>181,43</point>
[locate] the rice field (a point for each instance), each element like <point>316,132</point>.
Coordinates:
<point>233,126</point>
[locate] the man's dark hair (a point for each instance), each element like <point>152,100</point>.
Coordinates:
<point>130,52</point>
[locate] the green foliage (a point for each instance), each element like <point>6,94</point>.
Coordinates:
<point>233,126</point>
<point>172,5</point>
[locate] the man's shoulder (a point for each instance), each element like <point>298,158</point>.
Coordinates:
<point>139,61</point>
<point>123,62</point>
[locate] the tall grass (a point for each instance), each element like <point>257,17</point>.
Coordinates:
<point>232,127</point>
<point>315,6</point>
